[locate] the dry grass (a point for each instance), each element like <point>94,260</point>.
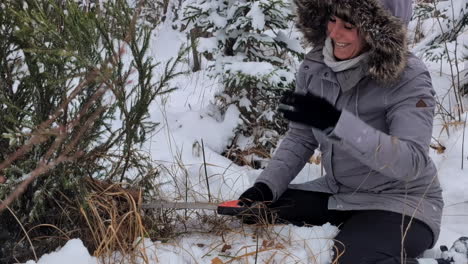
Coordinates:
<point>270,247</point>
<point>112,215</point>
<point>26,235</point>
<point>247,157</point>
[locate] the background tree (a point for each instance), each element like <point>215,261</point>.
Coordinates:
<point>249,51</point>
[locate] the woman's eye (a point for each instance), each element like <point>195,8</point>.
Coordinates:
<point>332,19</point>
<point>349,27</point>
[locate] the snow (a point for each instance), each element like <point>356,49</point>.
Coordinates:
<point>292,44</point>
<point>251,68</point>
<point>244,102</point>
<point>207,44</point>
<point>187,118</point>
<point>257,16</point>
<point>454,182</point>
<point>206,248</point>
<point>193,125</point>
<point>218,20</point>
<point>287,244</point>
<point>160,48</point>
<point>427,261</point>
<point>73,252</point>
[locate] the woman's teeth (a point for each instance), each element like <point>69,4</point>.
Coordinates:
<point>341,45</point>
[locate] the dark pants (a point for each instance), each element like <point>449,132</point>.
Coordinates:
<point>365,237</point>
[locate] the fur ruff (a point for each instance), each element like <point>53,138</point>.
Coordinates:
<point>384,33</point>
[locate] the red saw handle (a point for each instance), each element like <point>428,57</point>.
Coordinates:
<point>234,208</point>
<point>231,208</point>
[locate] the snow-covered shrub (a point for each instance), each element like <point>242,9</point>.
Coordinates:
<point>438,23</point>
<point>438,32</point>
<point>250,52</point>
<point>75,87</point>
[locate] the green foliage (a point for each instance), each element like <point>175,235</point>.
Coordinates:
<point>79,80</point>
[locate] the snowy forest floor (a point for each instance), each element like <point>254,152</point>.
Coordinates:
<point>187,120</point>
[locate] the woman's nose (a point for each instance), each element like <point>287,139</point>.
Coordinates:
<point>334,31</point>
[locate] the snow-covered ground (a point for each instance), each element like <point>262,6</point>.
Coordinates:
<point>187,119</point>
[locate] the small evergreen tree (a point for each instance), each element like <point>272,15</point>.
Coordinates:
<point>75,87</point>
<point>249,52</point>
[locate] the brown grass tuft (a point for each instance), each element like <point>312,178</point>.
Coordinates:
<point>112,215</point>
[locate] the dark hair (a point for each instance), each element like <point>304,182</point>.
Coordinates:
<point>344,15</point>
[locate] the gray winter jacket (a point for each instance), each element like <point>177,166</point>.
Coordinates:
<point>376,157</point>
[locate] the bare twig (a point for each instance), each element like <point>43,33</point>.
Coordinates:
<point>25,233</point>
<point>45,166</point>
<point>256,246</point>
<point>463,141</point>
<point>38,136</point>
<point>206,172</point>
<point>458,98</point>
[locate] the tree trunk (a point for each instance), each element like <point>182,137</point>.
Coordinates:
<point>194,34</point>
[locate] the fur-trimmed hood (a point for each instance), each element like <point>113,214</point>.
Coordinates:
<point>382,22</point>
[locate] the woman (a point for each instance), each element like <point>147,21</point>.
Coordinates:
<point>368,105</point>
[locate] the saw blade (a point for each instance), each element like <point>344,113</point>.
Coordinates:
<point>179,205</point>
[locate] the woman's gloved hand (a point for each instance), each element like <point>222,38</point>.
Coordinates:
<point>260,192</point>
<point>309,110</point>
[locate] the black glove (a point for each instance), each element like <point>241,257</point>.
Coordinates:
<point>309,110</point>
<point>260,192</point>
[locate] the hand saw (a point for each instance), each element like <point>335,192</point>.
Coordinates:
<point>225,208</point>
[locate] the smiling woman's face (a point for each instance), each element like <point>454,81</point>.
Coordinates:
<point>347,42</point>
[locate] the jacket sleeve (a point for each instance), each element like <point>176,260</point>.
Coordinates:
<point>294,151</point>
<point>401,154</point>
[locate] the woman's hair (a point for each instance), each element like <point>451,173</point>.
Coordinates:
<point>344,15</point>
